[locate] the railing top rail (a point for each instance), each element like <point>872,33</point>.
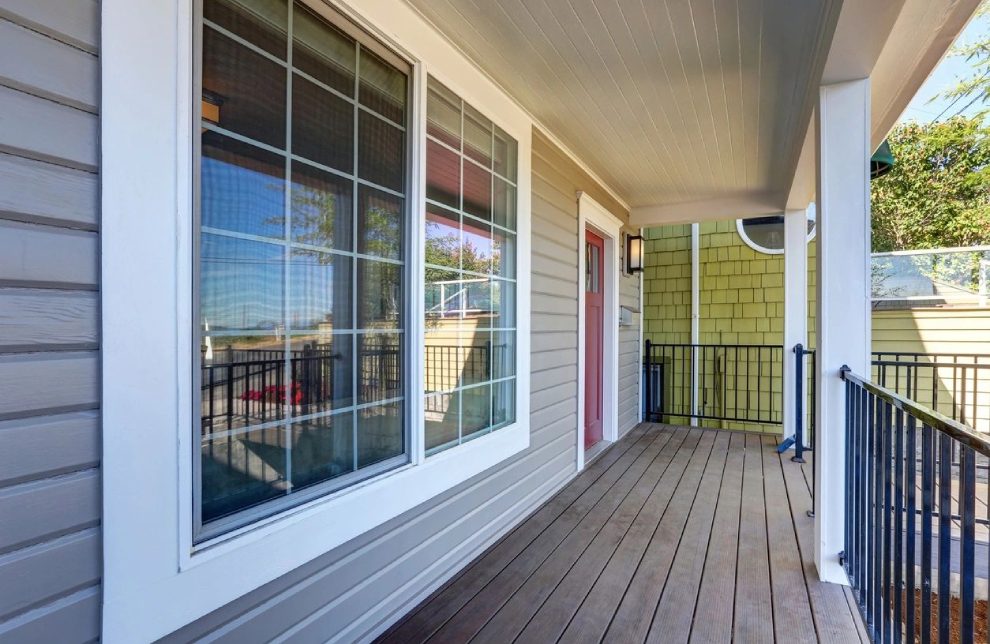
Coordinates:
<point>718,346</point>
<point>936,364</point>
<point>921,354</point>
<point>930,417</point>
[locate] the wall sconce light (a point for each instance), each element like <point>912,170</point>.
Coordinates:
<point>634,253</point>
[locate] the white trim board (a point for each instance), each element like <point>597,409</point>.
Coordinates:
<point>146,267</point>
<point>592,214</point>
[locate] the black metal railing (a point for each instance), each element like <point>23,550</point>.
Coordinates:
<point>912,530</point>
<point>804,405</point>
<point>735,382</point>
<point>954,384</point>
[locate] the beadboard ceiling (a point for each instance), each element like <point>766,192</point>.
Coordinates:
<point>668,101</point>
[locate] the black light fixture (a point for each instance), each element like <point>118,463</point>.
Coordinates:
<point>634,253</point>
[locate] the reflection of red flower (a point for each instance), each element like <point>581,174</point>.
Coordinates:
<point>274,394</point>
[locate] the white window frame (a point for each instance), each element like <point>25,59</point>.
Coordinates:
<point>741,231</point>
<point>150,561</point>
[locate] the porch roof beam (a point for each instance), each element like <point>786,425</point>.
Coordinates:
<point>745,205</point>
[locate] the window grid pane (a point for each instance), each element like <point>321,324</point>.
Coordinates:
<point>470,348</point>
<point>301,205</point>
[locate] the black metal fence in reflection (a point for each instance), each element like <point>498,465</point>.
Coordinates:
<point>916,518</point>
<point>243,387</point>
<point>735,382</point>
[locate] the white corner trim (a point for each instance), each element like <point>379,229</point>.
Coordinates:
<point>592,214</point>
<point>146,271</point>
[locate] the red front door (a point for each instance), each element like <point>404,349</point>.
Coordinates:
<point>594,321</point>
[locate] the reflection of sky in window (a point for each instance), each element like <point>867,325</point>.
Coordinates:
<point>242,200</point>
<point>242,286</point>
<point>241,283</point>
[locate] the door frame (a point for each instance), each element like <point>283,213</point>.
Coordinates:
<point>592,215</point>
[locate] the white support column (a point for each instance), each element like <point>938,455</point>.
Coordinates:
<point>695,315</point>
<point>843,289</point>
<point>795,306</point>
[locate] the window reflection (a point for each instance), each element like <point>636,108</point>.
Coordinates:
<point>300,260</point>
<point>242,187</point>
<point>470,348</point>
<point>321,208</point>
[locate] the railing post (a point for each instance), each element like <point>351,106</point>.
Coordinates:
<point>648,361</point>
<point>798,404</point>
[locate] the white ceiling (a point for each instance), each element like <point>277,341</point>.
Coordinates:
<point>668,101</point>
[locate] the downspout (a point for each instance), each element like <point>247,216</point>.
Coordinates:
<point>695,315</point>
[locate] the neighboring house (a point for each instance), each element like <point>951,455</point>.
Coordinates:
<point>238,400</point>
<point>924,302</point>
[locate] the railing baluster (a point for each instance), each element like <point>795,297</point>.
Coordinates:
<point>898,509</point>
<point>910,484</point>
<point>927,507</point>
<point>864,469</point>
<point>944,534</point>
<point>875,615</point>
<point>887,510</point>
<point>967,510</point>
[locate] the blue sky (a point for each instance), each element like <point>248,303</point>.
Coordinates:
<point>949,72</point>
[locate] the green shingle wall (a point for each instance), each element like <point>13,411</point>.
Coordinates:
<point>741,302</point>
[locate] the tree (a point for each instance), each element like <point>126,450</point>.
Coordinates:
<point>975,88</point>
<point>938,193</point>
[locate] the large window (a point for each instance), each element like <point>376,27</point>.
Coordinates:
<point>470,352</point>
<point>302,259</point>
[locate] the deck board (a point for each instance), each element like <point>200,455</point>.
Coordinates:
<point>791,602</point>
<point>632,619</point>
<point>675,613</point>
<point>671,535</point>
<point>716,597</point>
<point>754,607</point>
<point>549,622</point>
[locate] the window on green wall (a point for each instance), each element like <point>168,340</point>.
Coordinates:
<point>766,234</point>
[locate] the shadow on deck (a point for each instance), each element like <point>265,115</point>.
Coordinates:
<point>673,534</point>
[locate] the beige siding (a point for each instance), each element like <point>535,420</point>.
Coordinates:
<point>936,330</point>
<point>961,394</point>
<point>361,587</point>
<point>50,563</point>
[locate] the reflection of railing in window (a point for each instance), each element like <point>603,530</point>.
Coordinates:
<point>459,298</point>
<point>245,387</point>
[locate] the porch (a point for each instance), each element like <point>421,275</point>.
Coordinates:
<point>672,534</point>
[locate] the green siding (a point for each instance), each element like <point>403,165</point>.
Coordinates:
<point>741,301</point>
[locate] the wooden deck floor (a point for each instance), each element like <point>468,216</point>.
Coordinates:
<point>672,535</point>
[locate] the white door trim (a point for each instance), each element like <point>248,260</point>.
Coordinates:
<point>592,214</point>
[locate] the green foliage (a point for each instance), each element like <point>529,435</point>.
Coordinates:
<point>975,89</point>
<point>938,193</point>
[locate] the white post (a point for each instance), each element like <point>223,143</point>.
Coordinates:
<point>795,307</point>
<point>843,129</point>
<point>695,316</point>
